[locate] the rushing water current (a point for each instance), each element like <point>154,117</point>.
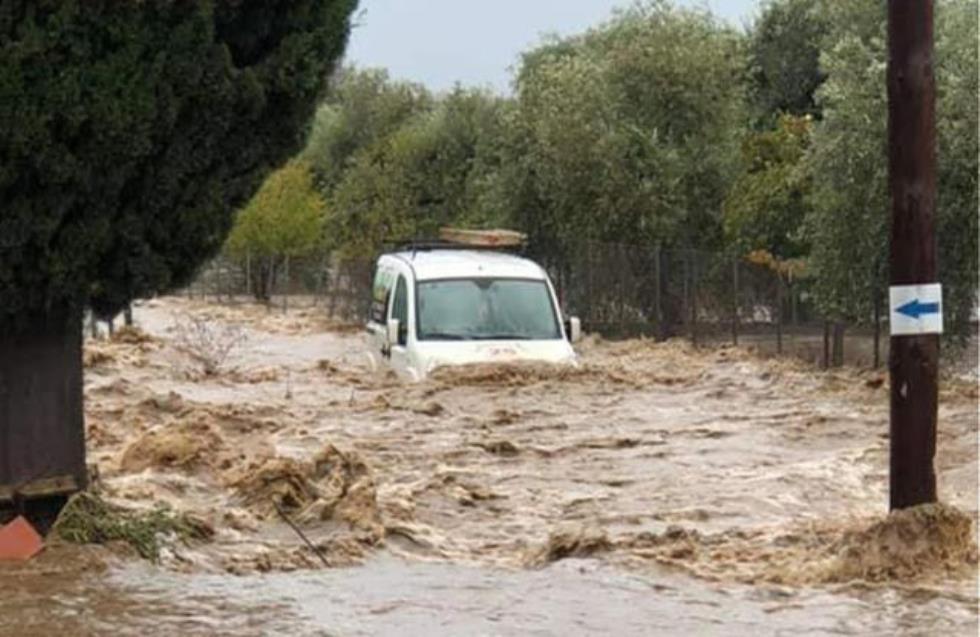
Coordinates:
<point>389,596</point>
<point>654,490</point>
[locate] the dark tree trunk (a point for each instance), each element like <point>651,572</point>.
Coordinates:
<point>42,423</point>
<point>826,344</point>
<point>265,277</point>
<point>286,287</point>
<point>263,272</point>
<point>794,315</point>
<point>780,302</point>
<point>838,355</point>
<point>673,302</point>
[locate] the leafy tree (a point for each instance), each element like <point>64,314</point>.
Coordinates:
<point>768,202</point>
<point>957,202</point>
<point>631,129</point>
<point>472,128</point>
<point>380,193</point>
<point>848,226</point>
<point>784,58</point>
<point>129,132</point>
<point>765,210</point>
<point>439,167</point>
<point>285,219</point>
<point>364,107</point>
<point>628,132</point>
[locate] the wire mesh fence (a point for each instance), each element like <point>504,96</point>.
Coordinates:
<point>622,290</point>
<point>617,290</point>
<point>340,287</point>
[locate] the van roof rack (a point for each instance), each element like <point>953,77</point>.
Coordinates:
<point>460,239</point>
<point>429,245</point>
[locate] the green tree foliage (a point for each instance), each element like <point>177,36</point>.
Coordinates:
<point>958,206</point>
<point>421,163</point>
<point>849,224</point>
<point>364,108</point>
<point>848,228</point>
<point>784,58</point>
<point>629,131</point>
<point>768,202</point>
<point>284,218</point>
<point>130,131</point>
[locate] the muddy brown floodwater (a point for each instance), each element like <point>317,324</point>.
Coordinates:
<point>655,489</point>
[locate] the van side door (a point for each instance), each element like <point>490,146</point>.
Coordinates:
<point>400,309</point>
<point>381,291</point>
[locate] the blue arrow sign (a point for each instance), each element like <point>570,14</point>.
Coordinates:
<point>916,309</point>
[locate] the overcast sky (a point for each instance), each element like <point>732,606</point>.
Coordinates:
<point>476,42</point>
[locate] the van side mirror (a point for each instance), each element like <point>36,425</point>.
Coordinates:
<point>573,329</point>
<point>393,327</point>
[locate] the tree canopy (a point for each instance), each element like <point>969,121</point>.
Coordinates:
<point>285,217</point>
<point>768,202</point>
<point>665,126</point>
<point>363,108</point>
<point>784,59</point>
<point>849,222</point>
<point>631,129</point>
<point>130,131</point>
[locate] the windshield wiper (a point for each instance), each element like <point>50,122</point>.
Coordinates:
<point>444,336</point>
<point>502,337</point>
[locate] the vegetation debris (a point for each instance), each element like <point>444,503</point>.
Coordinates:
<point>89,519</point>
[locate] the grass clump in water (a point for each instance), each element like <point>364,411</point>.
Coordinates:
<point>88,519</point>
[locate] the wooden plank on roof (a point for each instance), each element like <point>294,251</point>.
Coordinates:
<point>483,238</point>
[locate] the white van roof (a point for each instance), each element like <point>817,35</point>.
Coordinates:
<point>456,264</point>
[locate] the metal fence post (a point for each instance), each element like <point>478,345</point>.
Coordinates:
<point>248,272</point>
<point>735,301</point>
<point>332,286</point>
<point>590,267</point>
<point>657,309</point>
<point>877,347</point>
<point>267,273</point>
<point>693,291</point>
<point>826,344</point>
<point>794,317</point>
<point>285,291</point>
<point>779,315</point>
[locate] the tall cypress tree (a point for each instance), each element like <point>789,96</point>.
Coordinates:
<point>129,133</point>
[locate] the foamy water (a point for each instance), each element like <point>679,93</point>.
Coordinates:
<point>655,490</point>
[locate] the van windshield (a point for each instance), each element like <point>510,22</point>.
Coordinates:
<point>485,309</point>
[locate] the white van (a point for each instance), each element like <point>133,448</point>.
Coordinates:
<point>436,305</point>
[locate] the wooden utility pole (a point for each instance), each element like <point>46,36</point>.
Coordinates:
<point>914,358</point>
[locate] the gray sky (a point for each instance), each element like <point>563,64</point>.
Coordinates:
<point>476,42</point>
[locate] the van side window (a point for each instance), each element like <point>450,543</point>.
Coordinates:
<point>400,310</point>
<point>380,293</point>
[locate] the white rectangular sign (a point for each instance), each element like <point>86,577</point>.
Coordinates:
<point>916,309</point>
